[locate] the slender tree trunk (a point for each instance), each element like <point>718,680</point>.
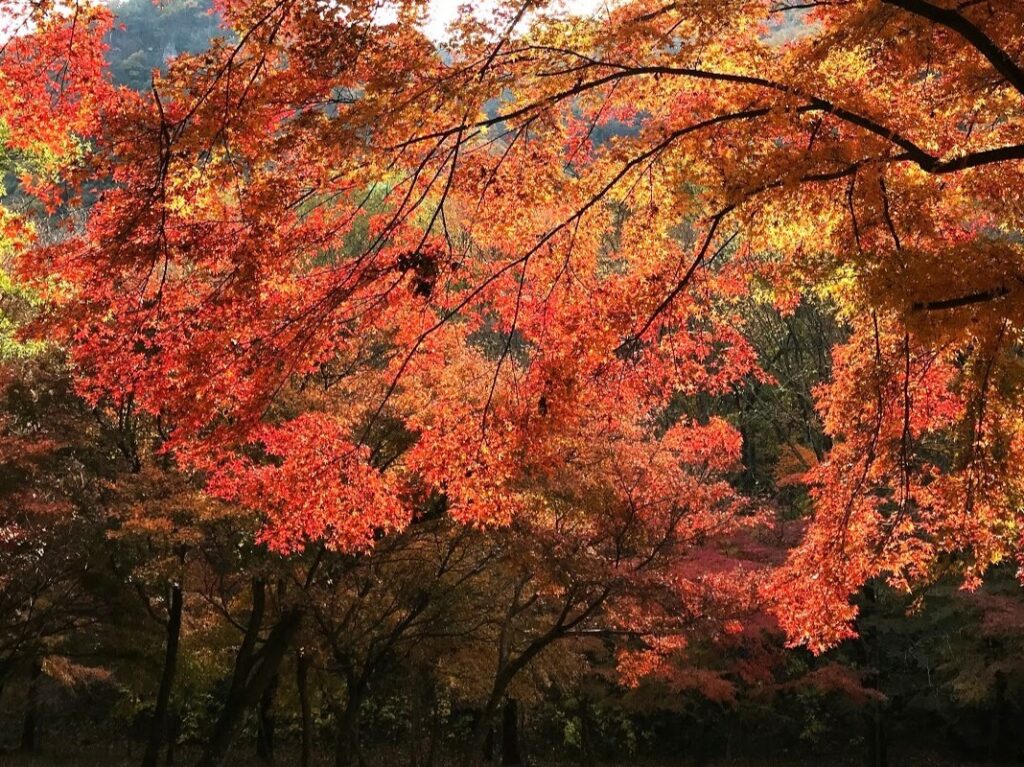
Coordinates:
<point>435,727</point>
<point>30,725</point>
<point>877,745</point>
<point>484,740</point>
<point>749,449</point>
<point>483,737</point>
<point>173,735</point>
<point>5,670</point>
<point>265,723</point>
<point>341,756</point>
<point>422,720</point>
<point>415,721</point>
<point>347,734</point>
<point>999,740</point>
<point>302,684</point>
<point>508,670</point>
<point>511,753</point>
<point>252,675</point>
<point>877,741</point>
<point>487,750</point>
<point>163,697</point>
<point>586,735</point>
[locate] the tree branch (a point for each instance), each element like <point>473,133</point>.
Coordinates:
<point>955,303</point>
<point>957,22</point>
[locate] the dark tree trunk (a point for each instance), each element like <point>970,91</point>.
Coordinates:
<point>347,736</point>
<point>877,741</point>
<point>252,675</point>
<point>487,749</point>
<point>341,753</point>
<point>30,725</point>
<point>749,448</point>
<point>511,753</point>
<point>435,728</point>
<point>586,735</point>
<point>302,661</point>
<point>423,722</point>
<point>415,722</point>
<point>163,697</point>
<point>265,723</point>
<point>172,736</point>
<point>484,741</point>
<point>508,670</point>
<point>1000,740</point>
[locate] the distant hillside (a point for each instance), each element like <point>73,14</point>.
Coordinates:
<point>148,34</point>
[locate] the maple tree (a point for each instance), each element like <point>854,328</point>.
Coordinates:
<point>217,288</point>
<point>327,282</point>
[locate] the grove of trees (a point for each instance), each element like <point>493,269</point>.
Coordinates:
<point>641,385</point>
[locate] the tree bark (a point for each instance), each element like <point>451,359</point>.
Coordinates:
<point>30,725</point>
<point>586,735</point>
<point>435,728</point>
<point>253,673</point>
<point>415,721</point>
<point>999,742</point>
<point>302,661</point>
<point>877,745</point>
<point>347,734</point>
<point>877,741</point>
<point>510,667</point>
<point>511,753</point>
<point>486,751</point>
<point>163,698</point>
<point>502,680</point>
<point>172,736</point>
<point>265,723</point>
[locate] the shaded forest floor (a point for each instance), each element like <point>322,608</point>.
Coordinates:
<point>114,756</point>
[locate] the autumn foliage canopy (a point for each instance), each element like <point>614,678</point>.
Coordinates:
<point>357,277</point>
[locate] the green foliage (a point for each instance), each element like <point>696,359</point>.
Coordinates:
<point>14,301</point>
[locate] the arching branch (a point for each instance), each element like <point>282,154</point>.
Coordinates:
<point>957,22</point>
